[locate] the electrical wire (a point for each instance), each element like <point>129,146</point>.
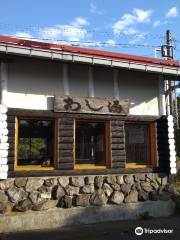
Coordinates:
<point>68,29</point>
<point>90,43</point>
<point>37,30</point>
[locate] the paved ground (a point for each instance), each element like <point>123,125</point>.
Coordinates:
<point>104,231</point>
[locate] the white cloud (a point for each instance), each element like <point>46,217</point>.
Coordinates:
<point>111,42</point>
<point>130,31</point>
<point>124,25</point>
<point>173,12</point>
<point>23,35</point>
<point>160,22</point>
<point>75,31</point>
<point>138,38</point>
<point>94,9</point>
<point>156,23</point>
<point>142,16</point>
<point>64,32</point>
<point>79,21</point>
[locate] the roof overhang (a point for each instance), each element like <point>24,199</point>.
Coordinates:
<point>55,54</point>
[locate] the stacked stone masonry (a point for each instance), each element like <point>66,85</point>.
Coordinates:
<point>38,194</point>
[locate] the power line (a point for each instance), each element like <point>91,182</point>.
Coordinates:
<point>90,43</point>
<point>176,40</point>
<point>68,29</point>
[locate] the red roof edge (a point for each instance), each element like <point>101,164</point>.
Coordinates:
<point>86,51</point>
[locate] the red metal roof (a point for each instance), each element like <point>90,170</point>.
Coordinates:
<point>88,52</point>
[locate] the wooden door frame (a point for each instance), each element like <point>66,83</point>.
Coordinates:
<point>106,145</point>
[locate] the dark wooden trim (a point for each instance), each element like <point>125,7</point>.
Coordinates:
<point>65,144</point>
<point>162,143</point>
<point>65,140</point>
<point>118,144</point>
<point>118,164</point>
<point>70,116</point>
<point>107,140</point>
<point>80,172</point>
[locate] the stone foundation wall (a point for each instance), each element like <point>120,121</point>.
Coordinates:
<point>37,194</point>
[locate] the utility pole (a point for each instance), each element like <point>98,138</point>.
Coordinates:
<point>169,45</point>
<point>167,49</point>
<point>171,99</point>
<point>167,53</point>
<point>170,57</point>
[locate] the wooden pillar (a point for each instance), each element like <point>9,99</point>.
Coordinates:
<point>116,83</point>
<point>66,89</point>
<point>161,99</point>
<point>4,82</point>
<point>118,152</point>
<point>91,82</point>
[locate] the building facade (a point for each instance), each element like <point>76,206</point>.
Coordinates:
<point>82,113</point>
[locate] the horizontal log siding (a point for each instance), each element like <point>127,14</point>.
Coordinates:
<point>80,172</point>
<point>118,144</point>
<point>163,145</point>
<point>65,143</point>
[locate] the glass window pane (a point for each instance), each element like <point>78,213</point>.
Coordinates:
<point>90,146</point>
<point>137,143</point>
<point>36,142</point>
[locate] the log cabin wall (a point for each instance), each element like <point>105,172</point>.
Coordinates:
<point>163,145</point>
<point>118,152</point>
<point>65,159</point>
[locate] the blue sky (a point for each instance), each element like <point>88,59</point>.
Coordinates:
<point>102,24</point>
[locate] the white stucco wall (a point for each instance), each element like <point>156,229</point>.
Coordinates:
<point>143,91</point>
<point>33,83</point>
<point>103,82</point>
<point>78,79</point>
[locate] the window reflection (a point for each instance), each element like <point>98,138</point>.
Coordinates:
<point>35,142</point>
<point>90,146</point>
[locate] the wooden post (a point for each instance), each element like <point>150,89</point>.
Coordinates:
<point>4,82</point>
<point>116,83</point>
<point>91,82</point>
<point>65,79</point>
<point>161,100</point>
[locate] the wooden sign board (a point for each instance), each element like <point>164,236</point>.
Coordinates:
<point>91,105</point>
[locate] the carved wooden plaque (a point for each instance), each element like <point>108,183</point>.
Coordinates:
<point>91,105</point>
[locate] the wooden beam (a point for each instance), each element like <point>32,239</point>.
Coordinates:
<point>91,82</point>
<point>65,79</point>
<point>3,82</point>
<point>116,83</point>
